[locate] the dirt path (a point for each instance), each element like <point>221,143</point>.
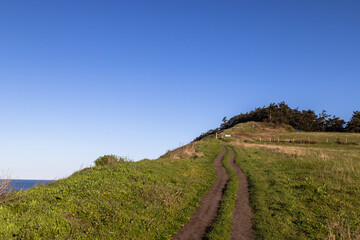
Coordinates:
<point>242,227</point>
<point>205,214</point>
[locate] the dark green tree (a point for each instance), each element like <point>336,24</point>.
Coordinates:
<point>322,121</point>
<point>334,124</point>
<point>281,113</point>
<point>224,124</point>
<point>284,114</point>
<point>354,124</point>
<point>272,113</point>
<point>308,121</point>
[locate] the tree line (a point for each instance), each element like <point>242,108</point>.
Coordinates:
<point>301,120</point>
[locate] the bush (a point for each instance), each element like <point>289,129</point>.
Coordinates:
<point>107,160</point>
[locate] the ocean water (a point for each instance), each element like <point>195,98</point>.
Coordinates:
<point>25,184</point>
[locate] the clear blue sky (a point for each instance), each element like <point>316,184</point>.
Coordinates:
<point>80,79</point>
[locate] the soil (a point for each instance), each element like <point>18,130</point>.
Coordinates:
<point>205,214</point>
<point>242,215</point>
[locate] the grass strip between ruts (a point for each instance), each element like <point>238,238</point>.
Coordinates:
<point>221,228</point>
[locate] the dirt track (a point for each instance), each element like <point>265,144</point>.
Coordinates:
<point>205,214</point>
<point>242,227</point>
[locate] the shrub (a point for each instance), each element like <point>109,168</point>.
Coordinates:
<point>107,160</point>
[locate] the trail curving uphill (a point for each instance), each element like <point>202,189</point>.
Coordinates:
<point>205,214</point>
<point>242,227</point>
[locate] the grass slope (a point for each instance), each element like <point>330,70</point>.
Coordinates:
<point>297,191</point>
<point>302,191</point>
<point>150,199</point>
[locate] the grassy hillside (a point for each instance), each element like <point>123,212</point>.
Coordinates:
<point>302,185</point>
<point>149,199</point>
<point>300,191</point>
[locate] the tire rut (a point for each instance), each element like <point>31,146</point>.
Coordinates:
<point>204,216</point>
<point>242,215</point>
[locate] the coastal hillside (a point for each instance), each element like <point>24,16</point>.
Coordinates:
<point>149,199</point>
<point>299,185</point>
<point>257,101</point>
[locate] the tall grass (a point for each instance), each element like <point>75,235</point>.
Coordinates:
<point>5,189</point>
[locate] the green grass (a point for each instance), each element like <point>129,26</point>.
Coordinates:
<point>303,192</point>
<point>221,228</point>
<point>322,137</point>
<point>307,191</point>
<point>258,127</point>
<point>149,199</point>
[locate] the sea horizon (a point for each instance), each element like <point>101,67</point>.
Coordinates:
<point>25,184</point>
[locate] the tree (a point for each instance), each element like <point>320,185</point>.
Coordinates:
<point>284,113</point>
<point>308,121</point>
<point>281,113</point>
<point>322,120</point>
<point>334,124</point>
<point>295,118</point>
<point>354,124</point>
<point>224,125</point>
<point>272,113</point>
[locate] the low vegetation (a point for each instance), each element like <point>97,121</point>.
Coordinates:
<point>149,199</point>
<point>107,160</point>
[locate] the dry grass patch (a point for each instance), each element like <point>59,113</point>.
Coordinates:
<point>324,156</point>
<point>187,151</point>
<point>289,151</point>
<point>342,231</point>
<point>270,127</point>
<point>285,150</point>
<point>254,136</point>
<point>4,188</point>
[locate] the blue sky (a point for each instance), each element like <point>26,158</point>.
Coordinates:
<point>80,79</point>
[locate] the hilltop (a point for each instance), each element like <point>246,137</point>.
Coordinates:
<point>302,120</point>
